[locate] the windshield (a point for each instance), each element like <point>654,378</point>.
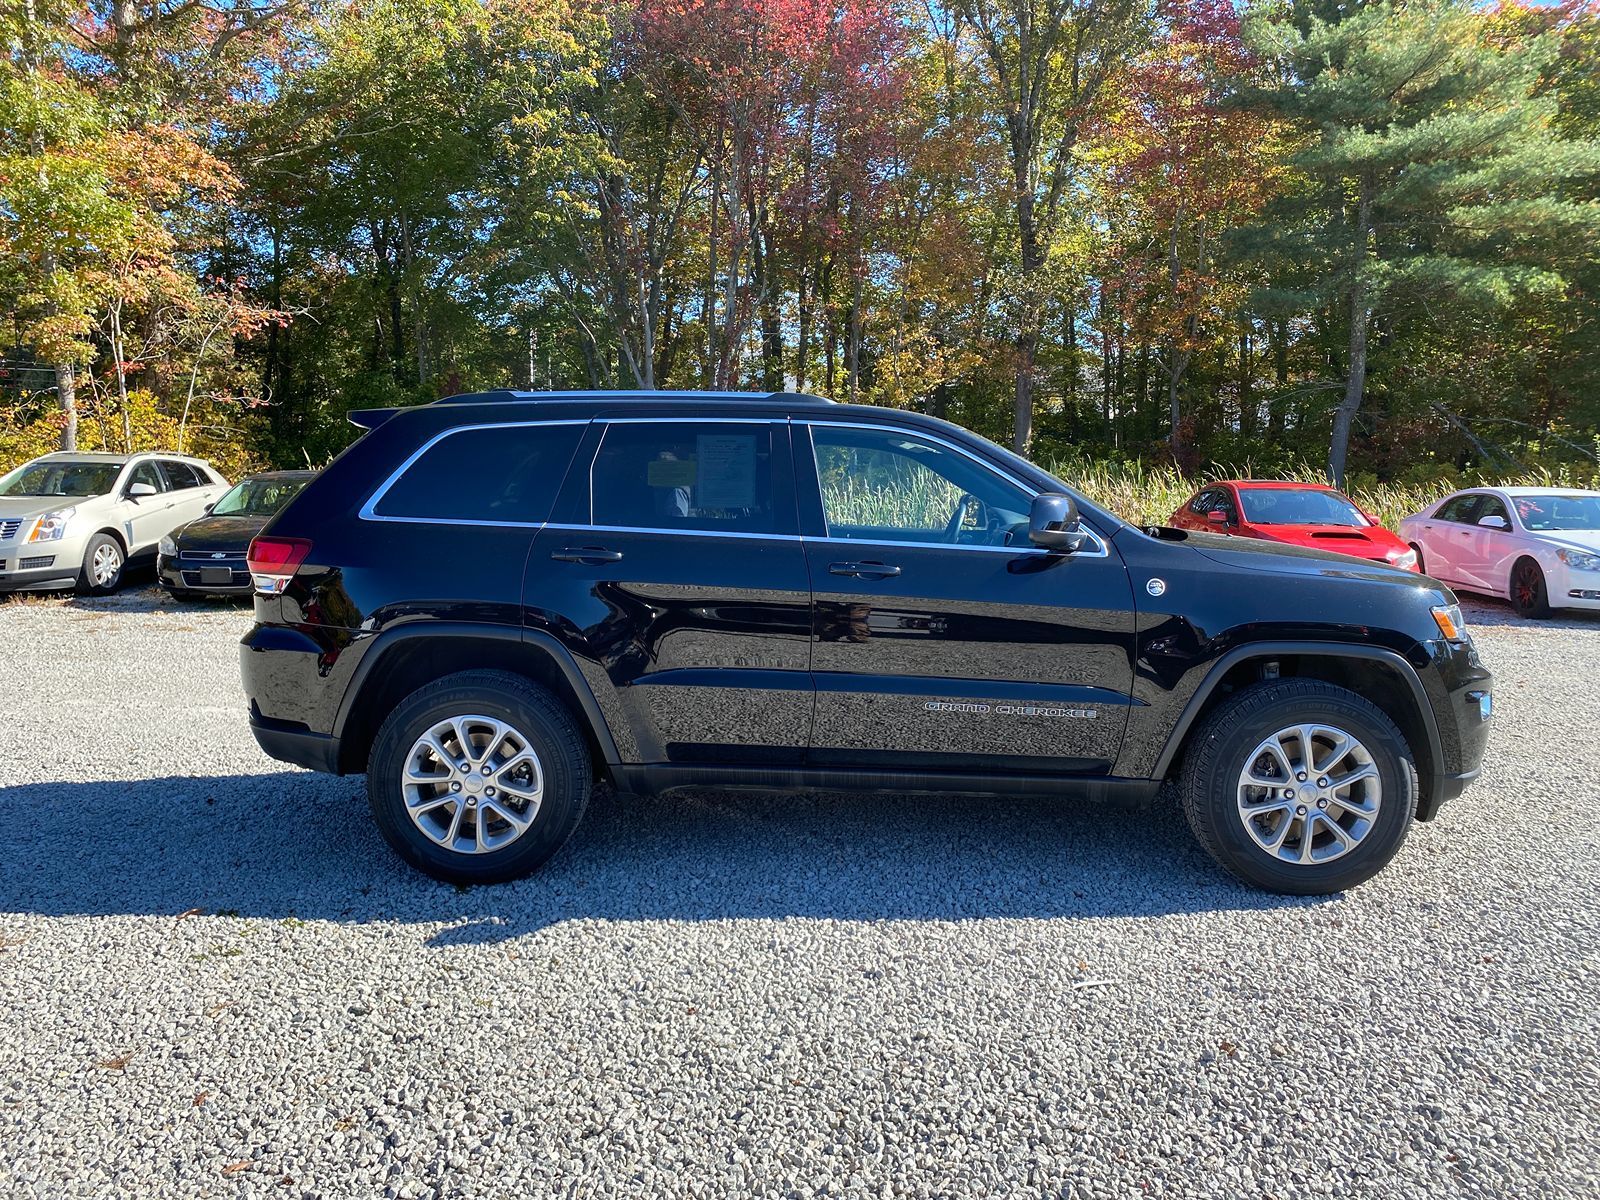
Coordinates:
<point>257,497</point>
<point>1542,514</point>
<point>1298,506</point>
<point>61,477</point>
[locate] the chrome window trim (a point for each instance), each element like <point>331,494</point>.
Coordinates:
<point>367,513</point>
<point>1101,550</point>
<point>717,533</point>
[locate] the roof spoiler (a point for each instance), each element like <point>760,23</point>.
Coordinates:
<point>369,418</point>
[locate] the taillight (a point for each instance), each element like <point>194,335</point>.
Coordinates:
<point>274,560</point>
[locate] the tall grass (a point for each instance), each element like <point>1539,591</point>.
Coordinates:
<point>1139,494</point>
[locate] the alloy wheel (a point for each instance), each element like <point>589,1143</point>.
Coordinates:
<point>1309,794</point>
<point>472,784</point>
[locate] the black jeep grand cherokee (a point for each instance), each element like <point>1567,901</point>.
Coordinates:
<point>487,602</point>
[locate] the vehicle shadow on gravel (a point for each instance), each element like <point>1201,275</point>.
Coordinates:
<point>303,845</point>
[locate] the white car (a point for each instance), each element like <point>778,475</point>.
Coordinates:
<point>76,520</point>
<point>1537,547</point>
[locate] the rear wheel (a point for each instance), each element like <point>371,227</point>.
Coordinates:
<point>1300,787</point>
<point>479,777</point>
<point>1528,594</point>
<point>103,561</point>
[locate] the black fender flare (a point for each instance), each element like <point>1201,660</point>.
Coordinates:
<point>538,640</point>
<point>1253,650</point>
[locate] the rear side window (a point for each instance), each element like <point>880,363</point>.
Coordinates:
<point>181,475</point>
<point>713,476</point>
<point>501,473</point>
<point>1459,508</point>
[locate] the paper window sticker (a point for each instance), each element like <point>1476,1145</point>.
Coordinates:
<point>727,470</point>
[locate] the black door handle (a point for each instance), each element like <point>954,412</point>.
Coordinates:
<point>863,570</point>
<point>587,554</point>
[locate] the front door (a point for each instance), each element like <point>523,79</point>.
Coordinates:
<point>674,572</point>
<point>944,640</point>
<point>146,519</point>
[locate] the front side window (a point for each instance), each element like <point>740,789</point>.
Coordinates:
<point>147,472</point>
<point>885,485</point>
<point>60,478</point>
<point>1298,506</point>
<point>506,474</point>
<point>1493,507</point>
<point>711,476</point>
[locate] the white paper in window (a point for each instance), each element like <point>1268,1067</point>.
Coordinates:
<point>727,476</point>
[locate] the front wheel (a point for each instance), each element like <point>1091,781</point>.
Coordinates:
<point>103,561</point>
<point>1528,594</point>
<point>479,777</point>
<point>1300,787</point>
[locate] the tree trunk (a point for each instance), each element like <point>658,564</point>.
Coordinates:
<point>1360,325</point>
<point>67,397</point>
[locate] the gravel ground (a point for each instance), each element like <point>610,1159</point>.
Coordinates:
<point>215,980</point>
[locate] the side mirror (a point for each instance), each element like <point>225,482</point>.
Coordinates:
<point>1493,522</point>
<point>137,491</point>
<point>210,506</point>
<point>1217,516</point>
<point>1053,523</point>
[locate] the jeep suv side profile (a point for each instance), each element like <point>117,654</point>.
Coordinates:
<point>490,602</point>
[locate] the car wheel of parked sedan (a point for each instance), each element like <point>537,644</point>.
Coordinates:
<point>1528,594</point>
<point>1300,787</point>
<point>102,566</point>
<point>479,777</point>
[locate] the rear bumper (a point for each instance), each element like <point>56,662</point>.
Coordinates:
<point>303,748</point>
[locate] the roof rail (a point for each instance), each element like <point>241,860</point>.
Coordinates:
<point>511,396</point>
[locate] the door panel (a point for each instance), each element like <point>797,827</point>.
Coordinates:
<point>682,590</point>
<point>145,520</point>
<point>970,660</point>
<point>950,643</point>
<point>1445,537</point>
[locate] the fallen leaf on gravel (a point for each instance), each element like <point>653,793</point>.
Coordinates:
<point>242,1165</point>
<point>1229,1049</point>
<point>116,1064</point>
<point>191,912</point>
<point>200,1099</point>
<point>216,1008</point>
<point>7,942</point>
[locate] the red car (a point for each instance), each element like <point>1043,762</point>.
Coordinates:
<point>1298,514</point>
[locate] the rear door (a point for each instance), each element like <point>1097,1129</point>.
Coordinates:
<point>673,571</point>
<point>944,640</point>
<point>191,492</point>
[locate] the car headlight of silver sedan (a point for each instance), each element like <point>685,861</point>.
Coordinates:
<point>51,527</point>
<point>168,547</point>
<point>1579,560</point>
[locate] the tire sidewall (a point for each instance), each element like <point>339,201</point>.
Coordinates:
<point>1540,605</point>
<point>565,781</point>
<point>87,583</point>
<point>1397,773</point>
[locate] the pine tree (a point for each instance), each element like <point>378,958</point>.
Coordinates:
<point>1432,167</point>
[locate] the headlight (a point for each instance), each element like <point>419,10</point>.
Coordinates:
<point>1406,560</point>
<point>1450,621</point>
<point>168,546</point>
<point>51,527</point>
<point>1579,560</point>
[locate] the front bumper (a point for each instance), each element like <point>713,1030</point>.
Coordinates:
<point>185,576</point>
<point>38,566</point>
<point>1461,692</point>
<point>1567,588</point>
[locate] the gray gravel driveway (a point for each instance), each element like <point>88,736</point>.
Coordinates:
<point>216,981</point>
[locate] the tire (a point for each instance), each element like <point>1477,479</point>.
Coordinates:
<point>1528,594</point>
<point>1227,742</point>
<point>534,721</point>
<point>103,564</point>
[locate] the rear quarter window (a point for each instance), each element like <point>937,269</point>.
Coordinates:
<point>503,473</point>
